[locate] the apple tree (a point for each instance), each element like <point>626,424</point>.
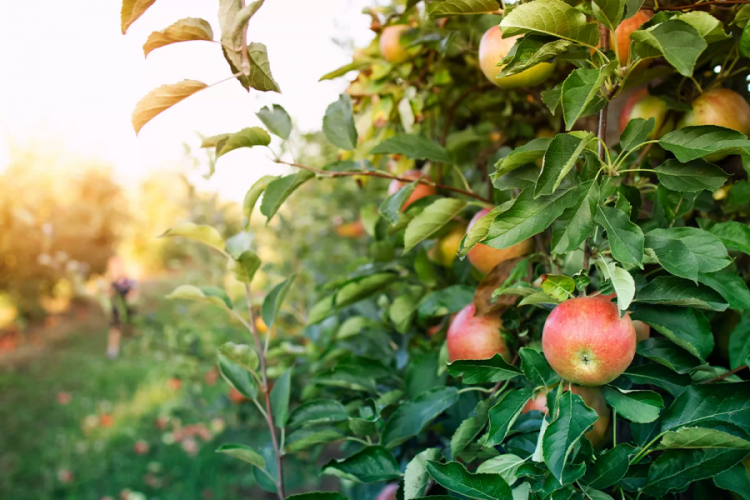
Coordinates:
<point>550,307</point>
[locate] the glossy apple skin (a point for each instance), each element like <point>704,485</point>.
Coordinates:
<point>475,337</point>
<point>641,104</point>
<point>586,342</point>
<point>390,44</point>
<point>593,398</point>
<point>485,258</point>
<point>420,191</point>
<point>444,251</point>
<point>623,32</point>
<point>388,493</point>
<point>493,47</point>
<point>722,107</point>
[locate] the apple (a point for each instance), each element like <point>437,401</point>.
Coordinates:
<point>593,398</point>
<point>421,191</point>
<point>444,251</point>
<point>587,342</point>
<point>493,48</point>
<point>475,337</point>
<point>641,104</point>
<point>388,493</point>
<point>722,107</point>
<point>352,230</point>
<point>623,32</point>
<point>485,258</point>
<point>390,44</point>
<point>642,330</point>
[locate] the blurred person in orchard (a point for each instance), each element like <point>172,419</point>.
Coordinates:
<point>123,292</point>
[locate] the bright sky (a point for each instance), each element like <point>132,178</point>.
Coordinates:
<point>71,79</point>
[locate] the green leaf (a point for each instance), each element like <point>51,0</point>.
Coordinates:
<point>318,495</point>
<point>609,12</point>
<point>739,343</point>
<point>274,299</point>
<point>530,51</point>
<point>699,404</point>
<point>462,7</point>
<point>483,371</point>
<point>280,398</point>
<point>744,45</point>
<point>469,429</point>
<point>416,478</point>
<point>611,466</point>
<point>636,132</point>
<point>207,294</point>
<point>200,233</point>
<point>480,229</point>
<point>668,290</point>
<point>551,17</point>
<point>241,354</point>
<point>523,155</point>
<point>735,235</point>
<point>562,435</point>
<point>237,377</point>
<point>559,160</point>
<point>131,11</point>
<point>640,407</point>
<point>536,369</point>
<point>184,30</point>
<point>735,479</point>
<point>260,77</point>
<point>677,41</point>
<point>505,465</point>
<point>708,250</point>
<point>730,286</point>
<point>693,176</point>
<point>657,375</point>
<point>338,124</point>
<point>276,119</point>
<point>559,287</point>
<point>625,238</point>
<point>412,146</point>
<point>372,464</point>
<point>691,143</point>
<point>687,328</point>
<point>392,205</point>
<point>580,89</point>
<point>454,476</point>
<point>245,138</point>
<point>528,216</point>
<point>576,223</point>
<point>622,282</point>
<point>343,70</point>
<point>318,411</point>
<point>676,469</point>
<point>302,439</point>
<point>245,266</point>
<point>411,417</point>
<point>251,198</point>
<point>244,453</point>
<point>706,25</point>
<point>504,414</point>
<point>701,437</point>
<point>430,220</point>
<point>280,189</point>
<point>449,300</point>
<point>667,353</point>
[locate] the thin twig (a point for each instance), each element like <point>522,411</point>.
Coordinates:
<point>384,175</point>
<point>725,375</point>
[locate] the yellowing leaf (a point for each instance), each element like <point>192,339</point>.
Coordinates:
<point>202,233</point>
<point>161,99</point>
<point>184,30</point>
<point>132,10</point>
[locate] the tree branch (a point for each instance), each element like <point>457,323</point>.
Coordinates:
<point>384,175</point>
<point>725,375</point>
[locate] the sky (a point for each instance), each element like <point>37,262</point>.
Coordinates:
<point>71,80</point>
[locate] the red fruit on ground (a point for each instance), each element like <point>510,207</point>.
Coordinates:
<point>420,191</point>
<point>586,342</point>
<point>475,337</point>
<point>485,258</point>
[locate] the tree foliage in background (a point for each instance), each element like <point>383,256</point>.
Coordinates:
<point>655,218</point>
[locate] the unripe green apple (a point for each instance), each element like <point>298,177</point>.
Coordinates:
<point>388,493</point>
<point>485,258</point>
<point>420,191</point>
<point>390,44</point>
<point>623,32</point>
<point>444,251</point>
<point>593,398</point>
<point>641,104</point>
<point>475,337</point>
<point>493,47</point>
<point>721,107</point>
<point>587,342</point>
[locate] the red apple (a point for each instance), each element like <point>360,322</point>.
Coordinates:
<point>722,107</point>
<point>485,258</point>
<point>493,48</point>
<point>641,104</point>
<point>390,44</point>
<point>420,191</point>
<point>623,32</point>
<point>475,337</point>
<point>593,398</point>
<point>388,493</point>
<point>587,342</point>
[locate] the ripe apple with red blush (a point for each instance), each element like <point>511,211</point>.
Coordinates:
<point>641,104</point>
<point>587,342</point>
<point>485,258</point>
<point>391,48</point>
<point>421,191</point>
<point>476,337</point>
<point>623,32</point>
